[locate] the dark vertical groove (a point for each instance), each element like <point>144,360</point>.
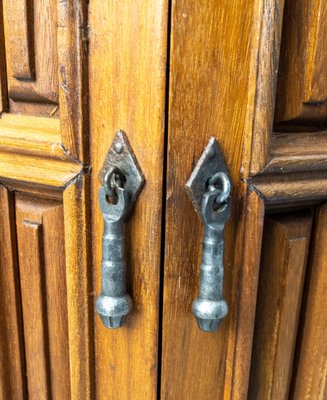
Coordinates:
<point>19,311</point>
<point>164,189</point>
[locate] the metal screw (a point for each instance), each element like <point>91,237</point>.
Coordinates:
<point>118,147</point>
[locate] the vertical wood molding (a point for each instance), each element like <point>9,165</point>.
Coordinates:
<point>283,265</point>
<point>3,72</point>
<point>12,364</point>
<point>264,80</point>
<point>31,268</point>
<point>73,76</point>
<point>310,372</point>
<point>31,52</point>
<point>79,300</point>
<point>245,282</point>
<point>21,39</point>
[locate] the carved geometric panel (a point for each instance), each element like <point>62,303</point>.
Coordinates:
<point>302,76</point>
<point>283,265</point>
<point>31,51</point>
<point>42,272</point>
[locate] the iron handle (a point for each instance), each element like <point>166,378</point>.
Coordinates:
<point>122,180</point>
<point>209,187</point>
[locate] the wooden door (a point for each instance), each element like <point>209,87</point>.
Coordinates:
<point>259,85</point>
<point>171,74</point>
<point>46,338</point>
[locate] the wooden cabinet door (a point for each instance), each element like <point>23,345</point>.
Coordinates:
<point>170,74</point>
<point>45,323</point>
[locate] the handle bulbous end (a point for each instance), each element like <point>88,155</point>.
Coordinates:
<point>209,313</point>
<point>113,310</point>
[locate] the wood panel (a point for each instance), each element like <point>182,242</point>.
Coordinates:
<point>44,300</point>
<point>12,363</point>
<point>283,266</point>
<point>266,36</point>
<point>245,282</point>
<point>301,88</point>
<point>3,72</point>
<point>31,46</point>
<point>127,91</point>
<point>54,38</point>
<point>311,372</point>
<point>77,228</point>
<point>209,74</point>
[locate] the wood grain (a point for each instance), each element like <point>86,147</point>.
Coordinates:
<point>73,77</point>
<point>264,67</point>
<point>245,282</point>
<point>76,203</point>
<point>31,269</point>
<point>283,266</point>
<point>42,265</point>
<point>12,363</point>
<point>301,89</point>
<point>297,151</point>
<point>3,72</point>
<point>31,38</point>
<point>22,40</point>
<point>128,92</point>
<point>311,371</point>
<point>209,73</point>
<point>288,189</point>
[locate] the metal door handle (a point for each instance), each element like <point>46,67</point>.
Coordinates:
<point>122,180</point>
<point>209,187</point>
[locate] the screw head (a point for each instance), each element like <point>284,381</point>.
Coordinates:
<point>118,147</point>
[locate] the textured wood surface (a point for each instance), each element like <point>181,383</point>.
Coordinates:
<point>44,300</point>
<point>245,281</point>
<point>267,28</point>
<point>302,88</point>
<point>283,265</point>
<point>31,47</point>
<point>12,358</point>
<point>77,230</point>
<point>209,72</point>
<point>311,371</point>
<point>127,91</point>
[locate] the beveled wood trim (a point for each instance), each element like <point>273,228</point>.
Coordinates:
<point>303,188</point>
<point>266,39</point>
<point>244,295</point>
<point>73,76</point>
<point>12,365</point>
<point>79,300</point>
<point>297,151</point>
<point>34,170</point>
<point>3,73</point>
<point>38,136</point>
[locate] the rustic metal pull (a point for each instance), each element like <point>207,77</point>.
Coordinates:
<point>122,180</point>
<point>209,188</point>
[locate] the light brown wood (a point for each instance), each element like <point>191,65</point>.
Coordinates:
<point>288,189</point>
<point>282,271</point>
<point>73,77</point>
<point>76,202</point>
<point>127,91</point>
<point>12,364</point>
<point>21,41</point>
<point>245,282</point>
<point>31,39</point>
<point>302,88</point>
<point>3,73</point>
<point>209,74</point>
<point>43,286</point>
<point>267,28</point>
<point>311,371</point>
<point>297,151</point>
